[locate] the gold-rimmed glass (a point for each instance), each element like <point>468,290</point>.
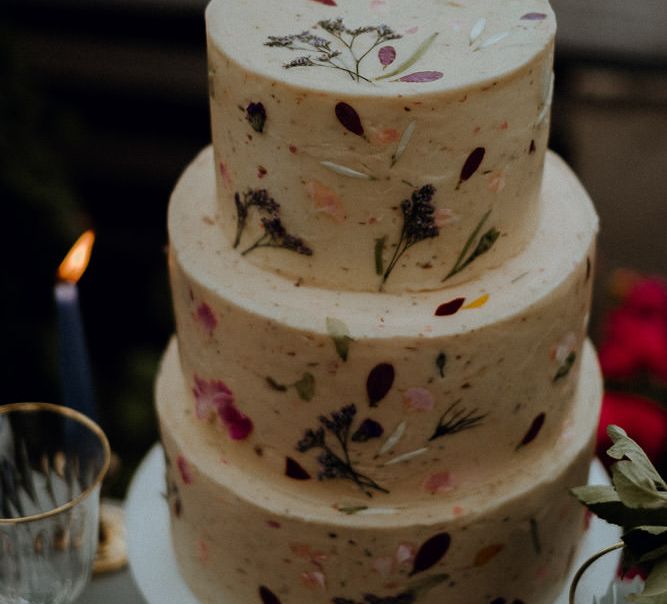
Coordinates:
<point>52,462</point>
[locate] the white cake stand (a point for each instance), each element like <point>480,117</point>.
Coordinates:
<point>153,563</point>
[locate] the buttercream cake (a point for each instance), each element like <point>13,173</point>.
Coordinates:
<point>381,390</point>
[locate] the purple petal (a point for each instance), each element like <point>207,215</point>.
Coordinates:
<point>431,552</point>
<point>534,17</point>
<point>472,164</point>
<point>379,382</point>
<point>348,116</point>
<point>387,55</point>
<point>533,431</point>
<point>422,76</point>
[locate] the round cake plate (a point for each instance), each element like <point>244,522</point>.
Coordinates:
<point>153,562</point>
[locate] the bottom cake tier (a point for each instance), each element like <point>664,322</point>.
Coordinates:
<point>240,539</point>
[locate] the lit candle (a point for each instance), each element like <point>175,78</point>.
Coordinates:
<point>75,373</point>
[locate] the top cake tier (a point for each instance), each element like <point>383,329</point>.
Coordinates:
<point>379,144</point>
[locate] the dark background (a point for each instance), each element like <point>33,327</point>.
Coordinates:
<point>103,104</point>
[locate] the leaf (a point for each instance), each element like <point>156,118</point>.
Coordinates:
<point>477,30</point>
<point>534,17</point>
<point>349,118</point>
<point>368,430</point>
<point>295,470</point>
<point>471,165</point>
<point>418,54</point>
<point>533,431</point>
<point>352,509</point>
<point>379,382</point>
<point>635,488</point>
<point>379,249</point>
<point>440,363</point>
<point>275,385</point>
<point>566,367</point>
<point>340,334</point>
<point>450,308</point>
<point>605,503</point>
<point>305,387</point>
<point>646,543</point>
<point>624,446</point>
<point>267,596</point>
<point>404,142</point>
<point>345,171</point>
<point>420,587</point>
<point>422,76</point>
<point>387,55</point>
<point>406,456</point>
<point>392,441</point>
<point>431,552</point>
<point>655,586</point>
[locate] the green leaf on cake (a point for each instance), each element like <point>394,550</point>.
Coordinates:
<point>379,261</point>
<point>485,243</point>
<point>412,59</point>
<point>440,362</point>
<point>305,387</point>
<point>566,367</point>
<point>340,334</point>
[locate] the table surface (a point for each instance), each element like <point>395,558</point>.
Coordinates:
<point>114,588</point>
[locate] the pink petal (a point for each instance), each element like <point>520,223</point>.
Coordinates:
<point>326,201</point>
<point>184,469</point>
<point>405,553</point>
<point>418,399</point>
<point>422,76</point>
<point>383,566</point>
<point>387,55</point>
<point>238,425</point>
<point>224,172</point>
<point>206,317</point>
<point>314,579</point>
<point>441,482</point>
<point>210,396</point>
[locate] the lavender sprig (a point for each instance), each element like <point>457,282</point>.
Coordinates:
<point>258,198</point>
<point>337,465</point>
<point>326,55</point>
<point>418,224</point>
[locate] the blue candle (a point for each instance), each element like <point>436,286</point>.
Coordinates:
<point>76,379</point>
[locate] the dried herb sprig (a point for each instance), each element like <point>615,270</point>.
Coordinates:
<point>418,224</point>
<point>337,465</point>
<point>455,420</point>
<point>275,234</point>
<point>324,55</point>
<point>485,243</point>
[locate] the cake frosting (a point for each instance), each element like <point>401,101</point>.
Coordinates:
<point>381,389</point>
<point>455,97</point>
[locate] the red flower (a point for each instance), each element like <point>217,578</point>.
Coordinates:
<point>635,335</point>
<point>644,420</point>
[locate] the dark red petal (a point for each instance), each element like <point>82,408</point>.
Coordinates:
<point>268,597</point>
<point>472,164</point>
<point>450,308</point>
<point>295,470</point>
<point>431,552</point>
<point>387,55</point>
<point>327,2</point>
<point>348,116</point>
<point>534,430</point>
<point>379,382</point>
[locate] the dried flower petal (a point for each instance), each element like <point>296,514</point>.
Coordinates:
<point>387,55</point>
<point>379,382</point>
<point>406,456</point>
<point>418,54</point>
<point>450,308</point>
<point>368,430</point>
<point>210,396</point>
<point>534,17</point>
<point>422,76</point>
<point>477,30</point>
<point>440,482</point>
<point>256,115</point>
<point>340,334</point>
<point>184,470</point>
<point>239,426</point>
<point>487,554</point>
<point>478,303</point>
<point>349,118</point>
<point>295,470</point>
<point>267,596</point>
<point>326,201</point>
<point>314,579</point>
<point>494,39</point>
<point>392,441</point>
<point>345,171</point>
<point>206,317</point>
<point>418,399</point>
<point>431,552</point>
<point>472,164</point>
<point>404,142</point>
<point>533,431</point>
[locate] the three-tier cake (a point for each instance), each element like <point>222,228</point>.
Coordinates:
<point>381,390</point>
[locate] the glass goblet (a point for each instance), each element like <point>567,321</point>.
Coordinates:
<point>52,462</point>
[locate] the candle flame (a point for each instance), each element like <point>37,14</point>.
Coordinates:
<point>76,261</point>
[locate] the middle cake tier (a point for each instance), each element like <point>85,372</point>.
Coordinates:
<point>374,393</point>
